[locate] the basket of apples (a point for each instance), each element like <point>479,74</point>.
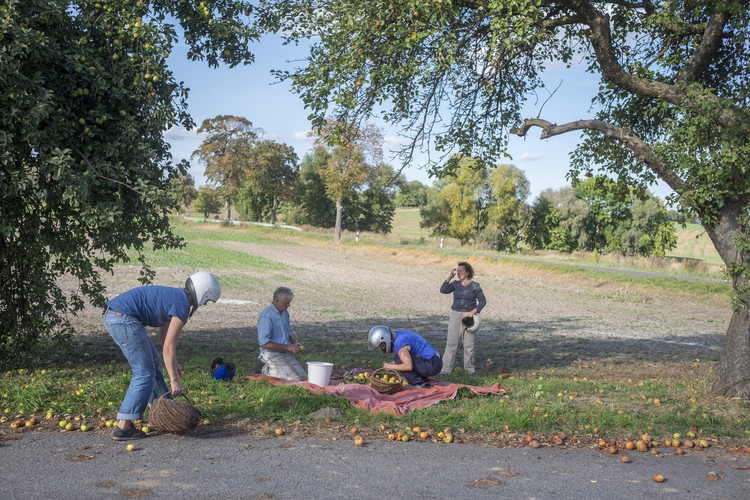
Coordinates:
<point>386,381</point>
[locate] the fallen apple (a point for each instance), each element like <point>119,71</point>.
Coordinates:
<point>658,478</point>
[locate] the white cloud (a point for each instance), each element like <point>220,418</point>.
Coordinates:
<point>180,134</point>
<point>531,156</point>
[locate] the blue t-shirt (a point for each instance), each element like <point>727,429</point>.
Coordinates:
<point>419,346</point>
<point>273,326</point>
<point>153,305</point>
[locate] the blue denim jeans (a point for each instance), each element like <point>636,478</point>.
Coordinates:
<point>148,380</point>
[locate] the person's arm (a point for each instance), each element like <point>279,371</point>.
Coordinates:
<point>169,334</point>
<point>273,346</point>
<point>447,285</point>
<point>406,364</point>
<point>481,300</point>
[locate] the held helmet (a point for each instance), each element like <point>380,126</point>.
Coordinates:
<point>471,323</point>
<point>378,335</point>
<point>202,287</point>
<point>221,370</point>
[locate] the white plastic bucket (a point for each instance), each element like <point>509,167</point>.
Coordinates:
<point>319,372</point>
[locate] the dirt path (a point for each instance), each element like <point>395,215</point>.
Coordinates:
<point>532,317</point>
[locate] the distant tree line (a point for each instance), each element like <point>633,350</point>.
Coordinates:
<point>345,185</point>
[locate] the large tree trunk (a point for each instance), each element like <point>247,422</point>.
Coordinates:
<point>228,207</point>
<point>733,377</point>
<point>339,209</point>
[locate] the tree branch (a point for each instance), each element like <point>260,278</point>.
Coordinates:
<point>710,43</point>
<point>96,172</point>
<point>612,71</point>
<point>623,135</point>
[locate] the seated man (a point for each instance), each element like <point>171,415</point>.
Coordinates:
<point>415,358</point>
<point>277,346</point>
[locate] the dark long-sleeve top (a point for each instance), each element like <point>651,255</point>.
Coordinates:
<point>465,298</point>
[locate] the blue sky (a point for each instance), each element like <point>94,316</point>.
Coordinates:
<point>252,92</point>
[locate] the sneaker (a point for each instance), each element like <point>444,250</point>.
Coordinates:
<point>127,433</point>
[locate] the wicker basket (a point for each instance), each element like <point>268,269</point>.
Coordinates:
<point>173,416</point>
<point>384,387</point>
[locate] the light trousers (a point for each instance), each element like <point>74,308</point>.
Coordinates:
<point>457,333</point>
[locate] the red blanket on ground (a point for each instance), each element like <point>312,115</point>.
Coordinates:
<point>407,399</point>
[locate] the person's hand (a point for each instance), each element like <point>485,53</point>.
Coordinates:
<point>295,348</point>
<point>176,388</point>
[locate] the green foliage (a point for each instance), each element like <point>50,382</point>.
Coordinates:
<point>375,203</point>
<point>352,151</point>
<point>252,204</point>
<point>225,152</point>
<point>86,178</point>
<point>409,193</point>
<point>313,206</point>
<point>271,172</point>
<point>596,216</point>
<point>507,212</point>
<point>370,208</point>
<point>479,204</point>
<point>208,201</point>
<point>186,192</point>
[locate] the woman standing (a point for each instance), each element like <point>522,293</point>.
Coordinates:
<point>126,319</point>
<point>468,300</point>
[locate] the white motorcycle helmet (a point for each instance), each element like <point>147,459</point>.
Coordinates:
<point>378,335</point>
<point>471,323</point>
<point>202,287</point>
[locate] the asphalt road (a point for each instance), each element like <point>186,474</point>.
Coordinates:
<point>68,465</point>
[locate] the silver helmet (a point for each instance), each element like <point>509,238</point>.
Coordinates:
<point>202,287</point>
<point>378,335</point>
<point>471,323</point>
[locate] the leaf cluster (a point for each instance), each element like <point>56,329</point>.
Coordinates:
<point>85,174</point>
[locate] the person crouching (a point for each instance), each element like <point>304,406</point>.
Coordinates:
<point>415,358</point>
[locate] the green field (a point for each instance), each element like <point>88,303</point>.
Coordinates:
<point>406,224</point>
<point>694,243</point>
